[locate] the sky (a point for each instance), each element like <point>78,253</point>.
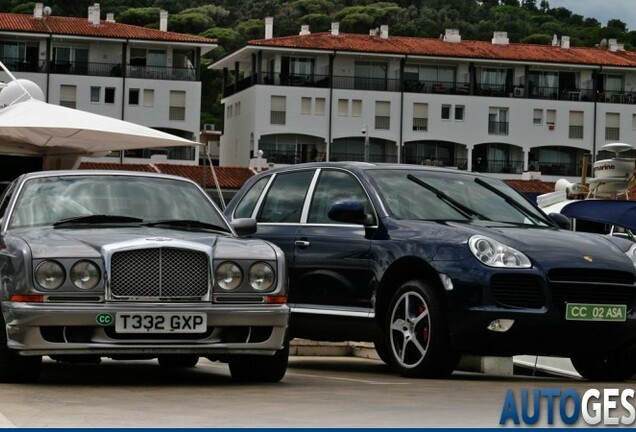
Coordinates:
<point>602,10</point>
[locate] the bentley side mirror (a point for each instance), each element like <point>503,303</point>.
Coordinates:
<point>350,212</point>
<point>244,226</point>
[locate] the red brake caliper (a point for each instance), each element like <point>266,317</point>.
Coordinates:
<point>425,330</point>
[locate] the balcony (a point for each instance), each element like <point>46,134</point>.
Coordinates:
<point>431,87</point>
<point>99,69</point>
<point>359,157</point>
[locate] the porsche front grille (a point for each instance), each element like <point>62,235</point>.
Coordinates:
<point>159,274</point>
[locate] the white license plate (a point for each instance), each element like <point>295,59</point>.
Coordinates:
<point>160,322</point>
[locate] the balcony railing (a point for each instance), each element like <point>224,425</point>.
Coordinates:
<point>440,87</point>
<point>576,132</point>
<point>99,69</point>
<point>359,157</point>
<point>612,133</point>
<point>497,128</point>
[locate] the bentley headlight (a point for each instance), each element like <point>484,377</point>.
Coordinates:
<point>261,276</point>
<point>495,254</point>
<point>631,253</point>
<point>49,274</point>
<point>228,276</point>
<point>85,275</point>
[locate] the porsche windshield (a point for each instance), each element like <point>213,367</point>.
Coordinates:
<point>430,195</point>
<point>111,199</point>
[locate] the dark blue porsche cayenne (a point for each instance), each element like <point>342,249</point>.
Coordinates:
<point>431,263</point>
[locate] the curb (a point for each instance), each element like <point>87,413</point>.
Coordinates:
<point>499,366</point>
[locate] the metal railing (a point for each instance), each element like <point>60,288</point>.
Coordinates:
<point>612,133</point>
<point>575,132</point>
<point>383,122</point>
<point>98,69</point>
<point>497,128</point>
<point>359,157</point>
<point>277,117</point>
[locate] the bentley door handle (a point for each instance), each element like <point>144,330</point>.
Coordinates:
<point>302,243</point>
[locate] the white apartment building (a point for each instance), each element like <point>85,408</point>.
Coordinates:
<point>490,106</point>
<point>141,75</point>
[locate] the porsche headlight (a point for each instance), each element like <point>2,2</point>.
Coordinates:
<point>495,254</point>
<point>261,276</point>
<point>228,276</point>
<point>49,275</point>
<point>85,275</point>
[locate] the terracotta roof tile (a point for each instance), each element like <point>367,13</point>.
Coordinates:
<point>117,166</point>
<point>402,45</point>
<point>229,177</point>
<point>82,27</point>
<point>531,186</point>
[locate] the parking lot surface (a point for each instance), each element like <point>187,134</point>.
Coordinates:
<point>316,392</point>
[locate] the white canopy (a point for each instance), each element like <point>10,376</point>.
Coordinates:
<point>61,135</point>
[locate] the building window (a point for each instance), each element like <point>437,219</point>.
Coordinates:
<point>446,112</point>
<point>459,112</point>
<point>278,110</point>
<point>109,95</point>
<point>498,121</point>
<point>356,108</point>
<point>633,121</point>
<point>177,105</point>
<point>343,107</point>
<point>320,106</point>
<point>537,117</point>
<point>420,117</point>
<point>550,117</point>
<point>229,111</point>
<point>382,115</point>
<point>149,98</point>
<point>370,75</point>
<point>96,94</point>
<point>68,96</point>
<point>612,126</point>
<point>305,105</point>
<point>237,108</point>
<point>576,125</point>
<point>133,96</point>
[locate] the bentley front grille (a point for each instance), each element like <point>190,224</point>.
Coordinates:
<point>160,274</point>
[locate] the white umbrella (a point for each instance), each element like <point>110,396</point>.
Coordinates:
<point>62,135</point>
<point>39,128</point>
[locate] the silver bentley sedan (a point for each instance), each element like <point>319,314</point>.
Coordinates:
<point>132,265</point>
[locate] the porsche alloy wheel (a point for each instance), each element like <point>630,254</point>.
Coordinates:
<point>417,333</point>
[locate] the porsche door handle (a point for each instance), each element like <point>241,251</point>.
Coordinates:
<point>302,243</point>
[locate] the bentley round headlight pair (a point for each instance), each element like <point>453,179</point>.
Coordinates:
<point>229,276</point>
<point>51,275</point>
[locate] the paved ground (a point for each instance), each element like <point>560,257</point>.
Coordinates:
<point>316,392</point>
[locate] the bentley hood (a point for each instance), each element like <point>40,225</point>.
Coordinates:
<point>87,243</point>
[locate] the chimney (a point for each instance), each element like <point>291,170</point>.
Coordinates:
<point>565,42</point>
<point>335,29</point>
<point>269,27</point>
<point>555,40</point>
<point>615,46</point>
<point>384,31</point>
<point>37,12</point>
<point>110,17</point>
<point>452,35</point>
<point>163,20</point>
<point>500,38</point>
<point>94,14</point>
<point>304,30</point>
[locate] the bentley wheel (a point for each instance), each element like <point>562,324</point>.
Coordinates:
<point>417,333</point>
<point>178,360</point>
<point>260,368</point>
<point>15,368</point>
<point>618,366</point>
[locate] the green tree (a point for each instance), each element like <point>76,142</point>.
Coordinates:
<point>189,22</point>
